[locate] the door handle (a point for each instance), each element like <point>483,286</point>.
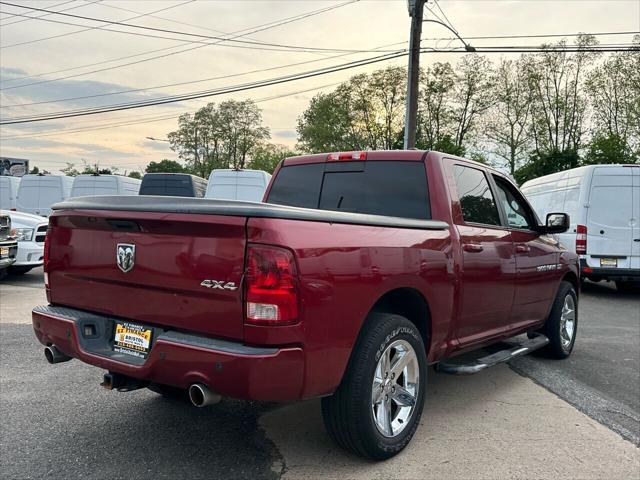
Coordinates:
<point>522,248</point>
<point>472,247</point>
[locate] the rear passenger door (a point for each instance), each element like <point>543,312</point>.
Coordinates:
<point>488,268</point>
<point>536,256</point>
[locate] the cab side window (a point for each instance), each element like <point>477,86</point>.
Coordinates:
<point>476,200</point>
<point>516,210</point>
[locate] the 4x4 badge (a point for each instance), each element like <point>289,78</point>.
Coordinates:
<point>125,256</point>
<point>219,284</point>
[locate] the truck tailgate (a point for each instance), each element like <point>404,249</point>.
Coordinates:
<point>173,255</point>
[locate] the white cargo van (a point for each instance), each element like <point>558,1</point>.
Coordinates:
<point>38,192</point>
<point>8,192</point>
<point>248,185</point>
<point>89,185</point>
<point>603,202</point>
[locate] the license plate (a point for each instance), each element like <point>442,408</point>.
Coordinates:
<point>4,252</point>
<point>132,339</point>
<point>608,262</point>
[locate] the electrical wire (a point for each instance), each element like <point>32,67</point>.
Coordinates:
<point>190,82</point>
<point>148,119</point>
<point>283,79</point>
<point>239,33</point>
<point>208,93</point>
<point>43,15</point>
<point>162,30</point>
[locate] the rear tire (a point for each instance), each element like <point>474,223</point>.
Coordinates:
<point>377,407</point>
<point>562,325</point>
<point>628,287</point>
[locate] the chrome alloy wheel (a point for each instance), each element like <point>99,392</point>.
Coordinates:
<point>395,388</point>
<point>567,321</point>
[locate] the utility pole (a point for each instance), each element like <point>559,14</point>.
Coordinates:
<point>416,10</point>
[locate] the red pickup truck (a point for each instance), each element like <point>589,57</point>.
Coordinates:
<point>359,271</point>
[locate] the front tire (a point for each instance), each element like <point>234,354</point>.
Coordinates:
<point>562,325</point>
<point>377,407</point>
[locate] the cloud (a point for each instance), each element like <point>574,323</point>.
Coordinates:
<point>59,90</point>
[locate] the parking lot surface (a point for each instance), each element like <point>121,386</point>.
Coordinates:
<point>537,419</point>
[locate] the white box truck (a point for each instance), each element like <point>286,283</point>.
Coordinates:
<point>38,192</point>
<point>8,192</point>
<point>90,185</point>
<point>603,202</point>
<point>229,184</point>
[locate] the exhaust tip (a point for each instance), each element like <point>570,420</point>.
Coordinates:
<point>48,354</point>
<point>53,355</point>
<point>201,396</point>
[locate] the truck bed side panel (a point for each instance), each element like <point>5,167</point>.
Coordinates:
<point>344,270</point>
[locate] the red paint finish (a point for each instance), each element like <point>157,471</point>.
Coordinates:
<point>480,283</point>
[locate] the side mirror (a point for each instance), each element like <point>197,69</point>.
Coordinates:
<point>556,223</point>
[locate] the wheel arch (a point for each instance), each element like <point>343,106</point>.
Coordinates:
<point>573,279</point>
<point>411,304</point>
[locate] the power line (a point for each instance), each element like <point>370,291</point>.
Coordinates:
<point>549,35</point>
<point>44,15</point>
<point>239,33</point>
<point>288,78</point>
<point>208,93</point>
<point>190,82</point>
<point>161,30</point>
<point>150,119</point>
<point>437,4</point>
<point>283,79</point>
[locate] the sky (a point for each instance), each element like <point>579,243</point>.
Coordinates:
<point>63,61</point>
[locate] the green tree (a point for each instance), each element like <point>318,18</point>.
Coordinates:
<point>267,156</point>
<point>507,125</point>
<point>541,164</point>
<point>164,166</point>
<point>613,88</point>
<point>70,170</point>
<point>610,148</point>
<point>218,136</point>
<point>435,117</point>
<point>472,95</point>
<point>364,113</point>
<point>35,170</point>
<point>135,174</point>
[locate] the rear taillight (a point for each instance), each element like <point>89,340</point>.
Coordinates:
<point>47,247</point>
<point>271,286</point>
<point>581,240</point>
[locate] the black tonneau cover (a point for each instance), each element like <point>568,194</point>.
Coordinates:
<point>236,208</point>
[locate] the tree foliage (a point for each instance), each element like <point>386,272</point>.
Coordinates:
<point>267,156</point>
<point>165,166</point>
<point>219,136</point>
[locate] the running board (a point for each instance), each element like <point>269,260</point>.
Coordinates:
<point>480,364</point>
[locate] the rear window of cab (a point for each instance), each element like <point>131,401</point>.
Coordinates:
<point>391,188</point>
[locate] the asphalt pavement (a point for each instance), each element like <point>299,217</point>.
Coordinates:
<point>540,418</point>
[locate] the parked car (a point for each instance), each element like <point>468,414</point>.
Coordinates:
<point>173,185</point>
<point>230,184</point>
<point>603,202</point>
<point>8,244</point>
<point>37,193</point>
<point>363,269</point>
<point>29,231</point>
<point>88,185</point>
<point>8,192</point>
